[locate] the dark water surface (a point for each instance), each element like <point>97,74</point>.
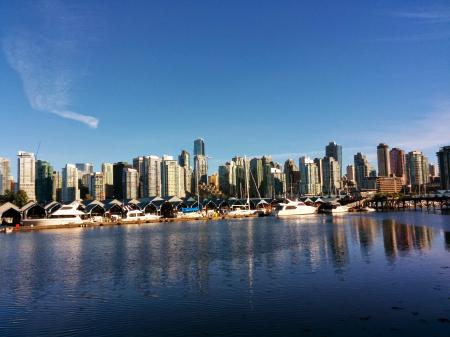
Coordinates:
<point>352,275</point>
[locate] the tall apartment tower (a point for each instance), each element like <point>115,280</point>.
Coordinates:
<point>5,170</point>
<point>44,181</point>
<point>108,179</point>
<point>130,181</point>
<point>309,177</point>
<point>26,173</point>
<point>362,170</point>
<point>97,185</point>
<point>118,169</point>
<point>170,177</point>
<point>416,170</point>
<point>292,173</point>
<point>70,188</point>
<point>384,166</point>
<point>334,150</point>
<point>398,163</point>
<point>444,167</point>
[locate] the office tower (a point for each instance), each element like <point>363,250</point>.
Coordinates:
<point>184,159</point>
<point>108,179</point>
<point>70,188</point>
<point>130,181</point>
<point>292,174</point>
<point>97,185</point>
<point>309,177</point>
<point>170,177</point>
<point>278,179</point>
<point>398,164</point>
<point>267,183</point>
<point>256,177</point>
<point>26,174</point>
<point>199,147</point>
<point>331,175</point>
<point>56,186</point>
<point>201,169</point>
<point>117,179</point>
<point>139,166</point>
<point>362,170</point>
<point>334,150</point>
<point>84,168</point>
<point>384,166</point>
<point>319,164</point>
<point>416,170</point>
<point>5,172</point>
<point>242,166</point>
<point>44,181</point>
<point>444,166</point>
<point>350,173</point>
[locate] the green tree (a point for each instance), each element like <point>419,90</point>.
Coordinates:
<point>7,197</point>
<point>21,198</point>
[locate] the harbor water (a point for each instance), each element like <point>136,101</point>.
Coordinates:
<point>383,274</point>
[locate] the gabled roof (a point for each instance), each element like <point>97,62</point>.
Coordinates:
<point>108,206</point>
<point>28,205</point>
<point>94,202</point>
<point>173,199</point>
<point>112,201</point>
<point>92,206</point>
<point>51,205</point>
<point>131,201</point>
<point>7,206</point>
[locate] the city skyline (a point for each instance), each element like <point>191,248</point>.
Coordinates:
<point>240,80</point>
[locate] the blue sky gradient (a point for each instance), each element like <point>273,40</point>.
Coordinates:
<point>107,81</point>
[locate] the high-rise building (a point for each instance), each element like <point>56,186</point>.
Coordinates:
<point>398,164</point>
<point>350,173</point>
<point>256,177</point>
<point>57,186</point>
<point>84,168</point>
<point>278,181</point>
<point>26,174</point>
<point>97,185</point>
<point>184,159</point>
<point>444,166</point>
<point>242,175</point>
<point>334,150</point>
<point>199,147</point>
<point>309,177</point>
<point>433,172</point>
<point>70,188</point>
<point>362,170</point>
<point>384,166</point>
<point>292,174</point>
<point>139,166</point>
<point>44,181</point>
<point>319,164</point>
<point>117,179</point>
<point>5,172</point>
<point>201,169</point>
<point>170,177</point>
<point>130,181</point>
<point>417,171</point>
<point>331,175</point>
<point>108,179</point>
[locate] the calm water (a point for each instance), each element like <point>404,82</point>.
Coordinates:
<point>376,275</point>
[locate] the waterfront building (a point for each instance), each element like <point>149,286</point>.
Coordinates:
<point>417,171</point>
<point>384,166</point>
<point>26,174</point>
<point>319,164</point>
<point>170,177</point>
<point>70,188</point>
<point>84,168</point>
<point>108,179</point>
<point>398,163</point>
<point>350,173</point>
<point>199,147</point>
<point>389,184</point>
<point>292,174</point>
<point>44,181</point>
<point>334,150</point>
<point>331,175</point>
<point>309,177</point>
<point>444,166</point>
<point>97,185</point>
<point>130,183</point>
<point>56,186</point>
<point>5,172</point>
<point>362,170</point>
<point>117,179</point>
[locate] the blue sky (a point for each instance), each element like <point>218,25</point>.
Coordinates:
<point>110,80</point>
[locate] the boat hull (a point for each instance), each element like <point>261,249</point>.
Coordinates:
<point>306,210</point>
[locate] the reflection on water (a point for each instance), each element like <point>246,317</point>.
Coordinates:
<point>295,270</point>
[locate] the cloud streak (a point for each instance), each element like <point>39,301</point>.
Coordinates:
<point>45,63</point>
<point>429,16</point>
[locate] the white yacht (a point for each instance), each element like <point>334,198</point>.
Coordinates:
<point>334,208</point>
<point>367,209</point>
<point>66,215</point>
<point>136,215</point>
<point>293,208</point>
<point>241,210</point>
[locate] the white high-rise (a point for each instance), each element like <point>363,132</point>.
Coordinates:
<point>309,177</point>
<point>170,177</point>
<point>26,173</point>
<point>70,189</point>
<point>130,183</point>
<point>97,185</point>
<point>108,179</point>
<point>4,175</point>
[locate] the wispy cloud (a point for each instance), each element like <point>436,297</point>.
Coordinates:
<point>429,16</point>
<point>46,62</point>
